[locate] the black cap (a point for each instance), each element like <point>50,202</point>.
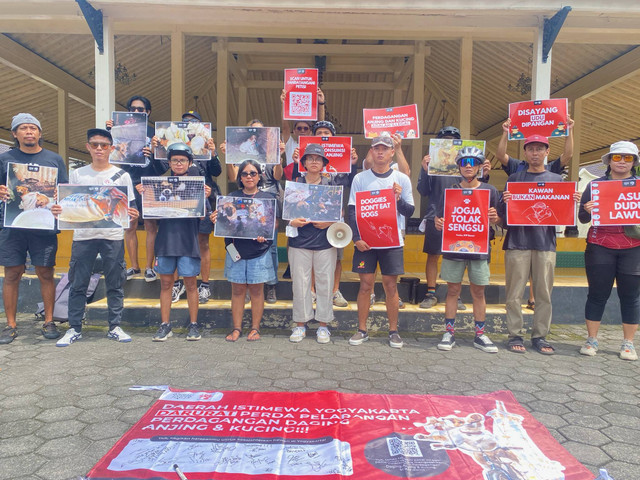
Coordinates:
<point>92,132</point>
<point>192,113</point>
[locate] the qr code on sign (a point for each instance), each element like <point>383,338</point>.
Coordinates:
<point>406,448</point>
<point>300,104</point>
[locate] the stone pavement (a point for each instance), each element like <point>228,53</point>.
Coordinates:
<point>61,409</point>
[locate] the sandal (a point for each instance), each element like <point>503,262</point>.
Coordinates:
<point>542,346</point>
<point>229,337</point>
<point>531,305</point>
<point>253,337</point>
<point>516,345</point>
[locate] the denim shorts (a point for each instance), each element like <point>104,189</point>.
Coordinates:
<point>252,271</point>
<point>187,266</point>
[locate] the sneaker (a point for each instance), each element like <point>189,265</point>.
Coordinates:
<point>400,303</point>
<point>395,341</point>
<point>193,334</point>
<point>150,275</point>
<point>461,306</point>
<point>323,335</point>
<point>50,331</point>
<point>485,344</point>
<point>116,333</point>
<point>177,291</point>
<point>430,300</point>
<point>164,332</point>
<point>204,293</point>
<point>69,337</point>
<point>358,338</point>
<point>298,334</point>
<point>590,347</point>
<point>7,335</point>
<point>628,351</point>
<point>372,300</point>
<point>339,300</point>
<point>271,297</point>
<point>447,343</point>
<point>132,272</point>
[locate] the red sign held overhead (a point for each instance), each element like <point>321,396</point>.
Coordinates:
<point>616,202</point>
<point>336,149</point>
<point>538,117</point>
<point>389,121</point>
<point>377,219</point>
<point>541,203</point>
<point>301,94</point>
<point>466,221</point>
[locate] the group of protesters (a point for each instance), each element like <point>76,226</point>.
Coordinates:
<point>177,249</point>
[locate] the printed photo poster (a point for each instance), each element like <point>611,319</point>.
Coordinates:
<point>389,121</point>
<point>317,203</point>
<point>336,149</point>
<point>194,134</point>
<point>93,206</point>
<point>327,435</point>
<point>538,117</point>
<point>301,94</point>
<point>32,191</point>
<point>376,218</point>
<point>466,221</point>
<point>443,152</point>
<point>173,197</point>
<point>243,217</point>
<point>541,203</point>
<point>129,134</point>
<point>261,144</point>
<point>616,202</point>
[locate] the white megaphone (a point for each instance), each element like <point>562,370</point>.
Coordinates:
<point>339,235</point>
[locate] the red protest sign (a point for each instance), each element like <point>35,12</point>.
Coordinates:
<point>336,149</point>
<point>616,202</point>
<point>466,221</point>
<point>301,94</point>
<point>377,219</point>
<point>541,203</point>
<point>389,121</point>
<point>538,117</point>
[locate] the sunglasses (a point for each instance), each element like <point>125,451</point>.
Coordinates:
<point>469,162</point>
<point>249,174</point>
<point>99,145</point>
<point>627,158</point>
<point>137,109</point>
<point>303,129</point>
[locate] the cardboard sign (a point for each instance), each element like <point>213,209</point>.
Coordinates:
<point>538,117</point>
<point>31,195</point>
<point>301,94</point>
<point>466,221</point>
<point>233,435</point>
<point>317,203</point>
<point>616,202</point>
<point>243,217</point>
<point>336,149</point>
<point>389,121</point>
<point>376,218</point>
<point>541,203</point>
<point>93,206</point>
<point>443,152</point>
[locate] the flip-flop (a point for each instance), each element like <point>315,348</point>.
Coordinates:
<point>253,337</point>
<point>516,342</point>
<point>540,344</point>
<point>229,337</point>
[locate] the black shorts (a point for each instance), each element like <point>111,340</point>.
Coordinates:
<point>432,239</point>
<point>391,261</point>
<point>16,242</point>
<point>138,205</point>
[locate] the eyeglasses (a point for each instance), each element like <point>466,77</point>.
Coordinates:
<point>627,158</point>
<point>99,145</point>
<point>137,109</point>
<point>313,159</point>
<point>178,161</point>
<point>303,129</point>
<point>469,162</point>
<point>249,174</point>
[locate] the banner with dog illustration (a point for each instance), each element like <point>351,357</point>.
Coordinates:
<point>538,117</point>
<point>129,134</point>
<point>616,202</point>
<point>336,149</point>
<point>443,152</point>
<point>392,120</point>
<point>194,134</point>
<point>466,221</point>
<point>32,193</point>
<point>376,218</point>
<point>301,94</point>
<point>327,435</point>
<point>93,206</point>
<point>244,217</point>
<point>541,203</point>
<point>316,203</point>
<point>173,197</point>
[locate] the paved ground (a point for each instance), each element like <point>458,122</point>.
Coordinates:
<point>62,409</point>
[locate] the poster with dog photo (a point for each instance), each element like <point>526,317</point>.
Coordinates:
<point>242,217</point>
<point>129,134</point>
<point>93,206</point>
<point>194,134</point>
<point>173,197</point>
<point>261,144</point>
<point>32,190</point>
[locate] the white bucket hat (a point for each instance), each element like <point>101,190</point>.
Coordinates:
<point>624,148</point>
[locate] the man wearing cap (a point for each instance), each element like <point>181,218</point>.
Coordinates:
<point>107,242</point>
<point>15,243</point>
<point>366,259</point>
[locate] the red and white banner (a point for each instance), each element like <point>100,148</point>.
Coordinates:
<point>377,219</point>
<point>301,94</point>
<point>541,203</point>
<point>538,117</point>
<point>336,149</point>
<point>332,436</point>
<point>389,121</point>
<point>616,202</point>
<point>466,221</point>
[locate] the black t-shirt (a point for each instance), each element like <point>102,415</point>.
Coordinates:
<point>310,237</point>
<point>514,165</point>
<point>248,248</point>
<point>153,167</point>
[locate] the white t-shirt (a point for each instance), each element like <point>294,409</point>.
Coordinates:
<point>88,176</point>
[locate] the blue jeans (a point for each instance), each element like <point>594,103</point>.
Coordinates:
<point>274,256</point>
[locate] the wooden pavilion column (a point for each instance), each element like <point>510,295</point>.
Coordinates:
<point>464,100</point>
<point>222,87</point>
<point>418,98</point>
<point>177,75</point>
<point>105,93</point>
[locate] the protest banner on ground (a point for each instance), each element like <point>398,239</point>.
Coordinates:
<point>173,197</point>
<point>31,195</point>
<point>376,218</point>
<point>538,117</point>
<point>541,203</point>
<point>317,203</point>
<point>261,144</point>
<point>129,134</point>
<point>466,221</point>
<point>389,121</point>
<point>301,94</point>
<point>243,217</point>
<point>616,202</point>
<point>194,134</point>
<point>336,149</point>
<point>443,152</point>
<point>93,206</point>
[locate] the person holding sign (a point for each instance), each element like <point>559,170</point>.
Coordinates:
<point>366,258</point>
<point>15,243</point>
<point>612,254</point>
<point>470,161</point>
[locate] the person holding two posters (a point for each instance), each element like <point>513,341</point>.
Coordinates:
<point>15,243</point>
<point>89,243</point>
<point>470,161</point>
<point>612,254</point>
<point>365,258</point>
